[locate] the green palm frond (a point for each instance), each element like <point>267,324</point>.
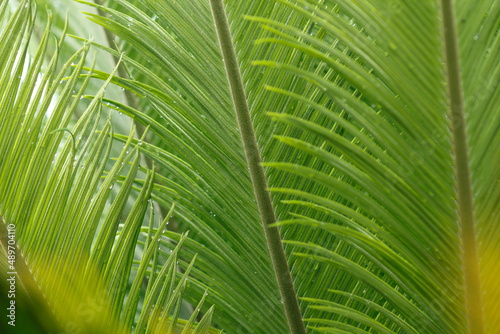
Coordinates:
<point>63,237</point>
<point>402,160</point>
<point>377,124</point>
<point>364,162</point>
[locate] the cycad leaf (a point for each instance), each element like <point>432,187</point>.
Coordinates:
<point>62,233</point>
<point>205,167</point>
<point>366,158</point>
<point>397,151</point>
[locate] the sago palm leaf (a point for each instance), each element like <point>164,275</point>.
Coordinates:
<point>67,254</point>
<point>384,168</point>
<point>382,160</point>
<point>406,148</point>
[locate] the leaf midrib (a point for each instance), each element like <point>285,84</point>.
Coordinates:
<point>463,184</point>
<point>256,170</point>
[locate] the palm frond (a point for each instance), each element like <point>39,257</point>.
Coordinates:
<point>69,247</point>
<point>363,171</point>
<point>378,127</point>
<point>396,162</point>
